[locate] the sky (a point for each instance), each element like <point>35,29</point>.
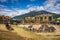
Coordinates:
<point>19,7</point>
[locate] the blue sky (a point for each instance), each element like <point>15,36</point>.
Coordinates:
<point>18,7</point>
<point>21,3</point>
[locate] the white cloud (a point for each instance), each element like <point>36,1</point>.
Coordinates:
<point>2,6</point>
<point>52,6</point>
<point>49,5</point>
<point>16,12</point>
<point>37,8</point>
<point>3,0</point>
<point>12,1</point>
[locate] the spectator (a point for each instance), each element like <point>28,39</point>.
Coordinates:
<point>7,24</point>
<point>52,29</point>
<point>41,28</point>
<point>46,28</point>
<point>30,27</point>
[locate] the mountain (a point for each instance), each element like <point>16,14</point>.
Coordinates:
<point>33,13</point>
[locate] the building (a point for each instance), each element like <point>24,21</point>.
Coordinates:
<point>3,18</point>
<point>58,19</point>
<point>44,18</point>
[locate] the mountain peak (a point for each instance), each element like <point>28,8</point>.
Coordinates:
<point>34,13</point>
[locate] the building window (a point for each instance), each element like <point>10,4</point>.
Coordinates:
<point>50,18</point>
<point>41,18</point>
<point>45,17</point>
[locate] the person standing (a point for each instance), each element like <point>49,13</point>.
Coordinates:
<point>8,26</point>
<point>52,29</point>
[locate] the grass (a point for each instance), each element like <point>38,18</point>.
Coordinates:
<point>6,35</point>
<point>22,34</point>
